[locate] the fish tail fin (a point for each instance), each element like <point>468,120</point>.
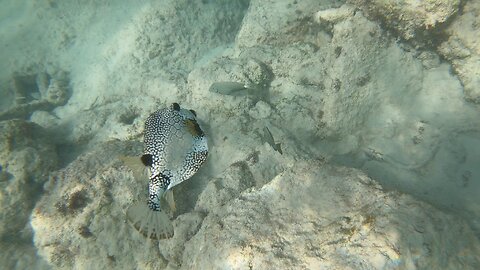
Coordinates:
<point>152,224</point>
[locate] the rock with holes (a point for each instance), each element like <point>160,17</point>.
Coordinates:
<point>309,216</point>
<point>80,220</point>
<point>463,49</point>
<point>26,159</point>
<point>316,216</point>
<point>36,92</point>
<point>409,18</point>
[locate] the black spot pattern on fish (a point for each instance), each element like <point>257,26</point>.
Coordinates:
<point>177,147</point>
<point>156,183</point>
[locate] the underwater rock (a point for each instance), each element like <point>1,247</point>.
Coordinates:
<point>334,15</point>
<point>26,158</point>
<point>262,110</point>
<point>440,25</point>
<point>233,181</point>
<point>358,89</point>
<point>44,119</point>
<point>256,73</point>
<point>281,23</point>
<point>463,49</point>
<point>166,34</point>
<point>56,93</point>
<point>310,215</point>
<point>37,92</point>
<point>21,256</point>
<point>411,19</point>
<point>186,226</point>
<point>316,216</point>
<point>80,220</point>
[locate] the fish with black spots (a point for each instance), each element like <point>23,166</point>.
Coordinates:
<point>175,147</point>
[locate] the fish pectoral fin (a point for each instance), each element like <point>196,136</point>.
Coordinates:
<point>168,195</point>
<point>135,164</point>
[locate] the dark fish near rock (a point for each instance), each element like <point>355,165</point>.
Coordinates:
<point>268,137</point>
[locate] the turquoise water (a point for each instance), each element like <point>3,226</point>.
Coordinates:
<point>339,137</point>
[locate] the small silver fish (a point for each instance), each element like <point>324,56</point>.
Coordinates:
<point>232,88</point>
<point>268,137</point>
<point>175,147</point>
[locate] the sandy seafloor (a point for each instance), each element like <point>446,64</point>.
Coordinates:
<point>376,105</point>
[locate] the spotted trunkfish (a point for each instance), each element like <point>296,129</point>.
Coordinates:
<point>175,147</point>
